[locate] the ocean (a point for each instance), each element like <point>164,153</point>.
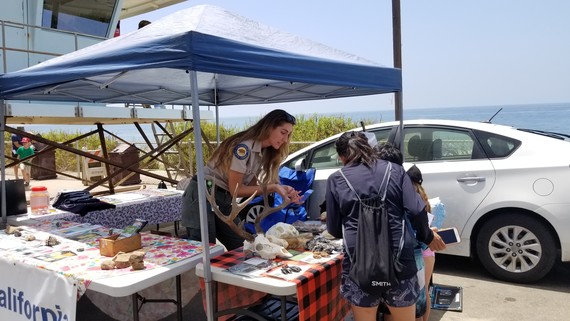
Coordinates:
<point>548,117</point>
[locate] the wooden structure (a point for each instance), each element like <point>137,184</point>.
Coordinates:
<point>101,117</point>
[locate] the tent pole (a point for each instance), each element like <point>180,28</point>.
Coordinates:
<point>217,124</point>
<point>218,139</point>
<point>397,48</point>
<point>202,195</point>
<point>4,220</point>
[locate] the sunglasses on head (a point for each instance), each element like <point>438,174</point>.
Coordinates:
<point>290,118</point>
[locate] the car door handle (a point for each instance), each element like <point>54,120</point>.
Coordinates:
<point>470,179</point>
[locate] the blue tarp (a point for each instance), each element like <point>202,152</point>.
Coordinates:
<point>238,61</point>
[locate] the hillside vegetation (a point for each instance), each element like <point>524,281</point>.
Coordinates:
<point>308,130</point>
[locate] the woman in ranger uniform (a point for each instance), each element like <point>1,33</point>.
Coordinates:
<point>239,165</point>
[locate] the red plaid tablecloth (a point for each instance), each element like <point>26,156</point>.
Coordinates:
<point>318,290</point>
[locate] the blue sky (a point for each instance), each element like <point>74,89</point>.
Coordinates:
<point>454,53</point>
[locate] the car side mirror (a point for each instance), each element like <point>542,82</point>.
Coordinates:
<point>300,165</point>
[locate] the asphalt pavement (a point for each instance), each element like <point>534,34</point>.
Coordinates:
<point>487,299</point>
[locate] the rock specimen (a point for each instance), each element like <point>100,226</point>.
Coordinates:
<point>137,260</point>
<point>108,265</point>
<point>52,241</point>
<point>12,229</point>
<point>122,260</point>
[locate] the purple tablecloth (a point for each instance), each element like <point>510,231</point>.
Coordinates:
<point>154,205</point>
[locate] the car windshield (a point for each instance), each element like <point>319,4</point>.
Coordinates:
<point>560,136</point>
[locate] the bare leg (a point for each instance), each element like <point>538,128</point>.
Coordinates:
<point>403,313</point>
<point>16,172</point>
<point>364,314</point>
<point>429,265</point>
<point>26,175</point>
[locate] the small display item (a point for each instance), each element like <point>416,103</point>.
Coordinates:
<point>133,229</point>
<point>449,235</point>
<point>55,256</point>
<point>39,200</point>
<point>252,267</point>
<point>446,297</point>
<point>111,245</point>
<point>288,270</point>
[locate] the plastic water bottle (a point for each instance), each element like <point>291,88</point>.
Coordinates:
<point>39,200</point>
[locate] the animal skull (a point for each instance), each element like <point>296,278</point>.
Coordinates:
<point>282,230</point>
<point>278,241</point>
<point>266,249</point>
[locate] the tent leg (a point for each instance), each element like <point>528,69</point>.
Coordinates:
<point>202,194</point>
<point>4,219</point>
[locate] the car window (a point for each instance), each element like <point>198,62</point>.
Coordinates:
<point>325,157</point>
<point>291,163</point>
<point>497,146</point>
<point>382,135</point>
<point>439,143</point>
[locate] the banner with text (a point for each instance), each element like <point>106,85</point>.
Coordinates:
<point>31,293</point>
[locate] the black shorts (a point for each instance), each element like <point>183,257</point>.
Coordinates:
<point>404,294</point>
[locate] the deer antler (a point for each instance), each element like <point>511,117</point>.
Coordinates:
<point>267,210</point>
<point>237,207</point>
<point>230,219</point>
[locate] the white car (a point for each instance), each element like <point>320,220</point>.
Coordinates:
<point>506,190</point>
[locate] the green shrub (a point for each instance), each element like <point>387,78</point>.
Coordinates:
<point>309,129</point>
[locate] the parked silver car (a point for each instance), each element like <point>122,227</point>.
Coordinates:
<point>506,190</point>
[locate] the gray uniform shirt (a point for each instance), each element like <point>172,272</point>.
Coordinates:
<point>246,159</point>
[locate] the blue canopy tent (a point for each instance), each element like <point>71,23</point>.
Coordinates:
<point>201,56</point>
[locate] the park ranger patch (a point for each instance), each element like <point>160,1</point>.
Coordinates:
<point>241,151</point>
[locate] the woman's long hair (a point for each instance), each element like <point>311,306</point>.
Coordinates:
<point>419,188</point>
<point>354,147</point>
<point>271,157</point>
<point>417,179</point>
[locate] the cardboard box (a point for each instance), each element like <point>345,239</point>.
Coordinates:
<point>110,246</point>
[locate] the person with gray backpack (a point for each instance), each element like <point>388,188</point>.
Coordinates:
<point>366,202</point>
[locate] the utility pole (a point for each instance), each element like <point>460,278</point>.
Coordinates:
<point>397,48</point>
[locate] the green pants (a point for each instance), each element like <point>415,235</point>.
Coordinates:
<point>217,229</point>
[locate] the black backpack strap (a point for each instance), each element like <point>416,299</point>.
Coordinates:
<point>350,185</point>
<point>383,184</point>
<point>360,201</point>
<point>386,180</point>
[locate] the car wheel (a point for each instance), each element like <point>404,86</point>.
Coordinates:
<point>516,248</point>
<point>251,212</point>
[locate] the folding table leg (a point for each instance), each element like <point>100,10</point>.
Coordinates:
<point>135,297</point>
<point>283,308</point>
<point>179,297</point>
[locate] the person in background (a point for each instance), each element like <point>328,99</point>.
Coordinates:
<point>365,170</point>
<point>143,23</point>
<point>425,258</point>
<point>25,151</point>
<point>16,143</point>
<point>117,29</point>
<point>428,255</point>
<point>240,165</point>
<point>389,152</point>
